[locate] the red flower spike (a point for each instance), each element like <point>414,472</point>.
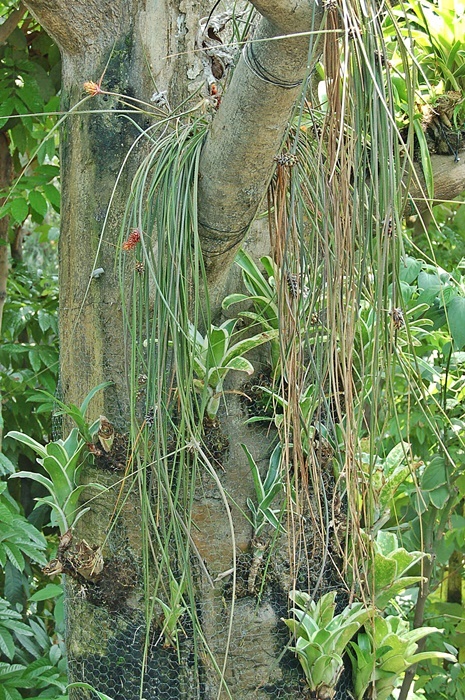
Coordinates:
<point>133,239</point>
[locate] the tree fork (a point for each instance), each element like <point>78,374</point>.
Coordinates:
<point>237,159</point>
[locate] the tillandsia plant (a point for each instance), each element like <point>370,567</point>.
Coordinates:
<point>322,637</point>
<point>215,354</point>
<point>383,651</point>
<point>266,491</point>
<point>263,295</point>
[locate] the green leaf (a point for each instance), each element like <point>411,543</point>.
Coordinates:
<point>51,590</point>
<point>456,314</point>
<point>34,359</point>
<point>383,597</point>
<point>14,555</point>
<point>6,467</point>
<point>259,490</point>
<point>425,158</point>
<point>53,196</point>
<point>435,474</point>
<point>244,346</point>
<point>38,202</point>
<point>409,269</point>
<point>7,645</point>
<point>91,395</point>
<point>27,440</point>
<point>19,209</point>
<point>273,469</point>
<point>47,483</point>
<point>385,572</point>
<point>439,497</point>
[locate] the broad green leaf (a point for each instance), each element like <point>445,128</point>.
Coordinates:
<point>217,344</point>
<point>435,474</point>
<point>7,645</point>
<point>71,506</point>
<point>409,269</point>
<point>14,555</point>
<point>384,572</point>
<point>61,484</point>
<point>324,609</point>
<point>57,451</point>
<point>47,483</point>
<point>440,496</point>
<point>38,202</point>
<point>259,490</point>
<point>34,359</point>
<point>326,670</point>
<point>456,314</point>
<point>273,469</point>
<point>19,209</point>
<point>233,299</point>
<point>247,344</point>
<point>397,587</point>
<point>386,542</point>
<point>51,590</point>
<point>6,467</point>
<point>256,279</point>
<point>53,196</point>
<point>271,493</point>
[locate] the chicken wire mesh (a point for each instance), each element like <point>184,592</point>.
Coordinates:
<point>111,647</point>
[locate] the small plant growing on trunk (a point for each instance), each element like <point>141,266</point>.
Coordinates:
<point>215,354</point>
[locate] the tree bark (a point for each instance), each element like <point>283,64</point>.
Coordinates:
<point>449,182</point>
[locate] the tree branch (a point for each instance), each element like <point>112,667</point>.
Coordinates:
<point>449,182</point>
<point>79,27</point>
<point>10,24</point>
<point>237,160</point>
<point>287,15</point>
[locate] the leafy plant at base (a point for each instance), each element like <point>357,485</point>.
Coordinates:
<point>18,538</point>
<point>322,637</point>
<point>384,651</point>
<point>30,660</point>
<point>213,356</point>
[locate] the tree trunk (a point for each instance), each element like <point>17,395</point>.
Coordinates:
<point>127,43</point>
